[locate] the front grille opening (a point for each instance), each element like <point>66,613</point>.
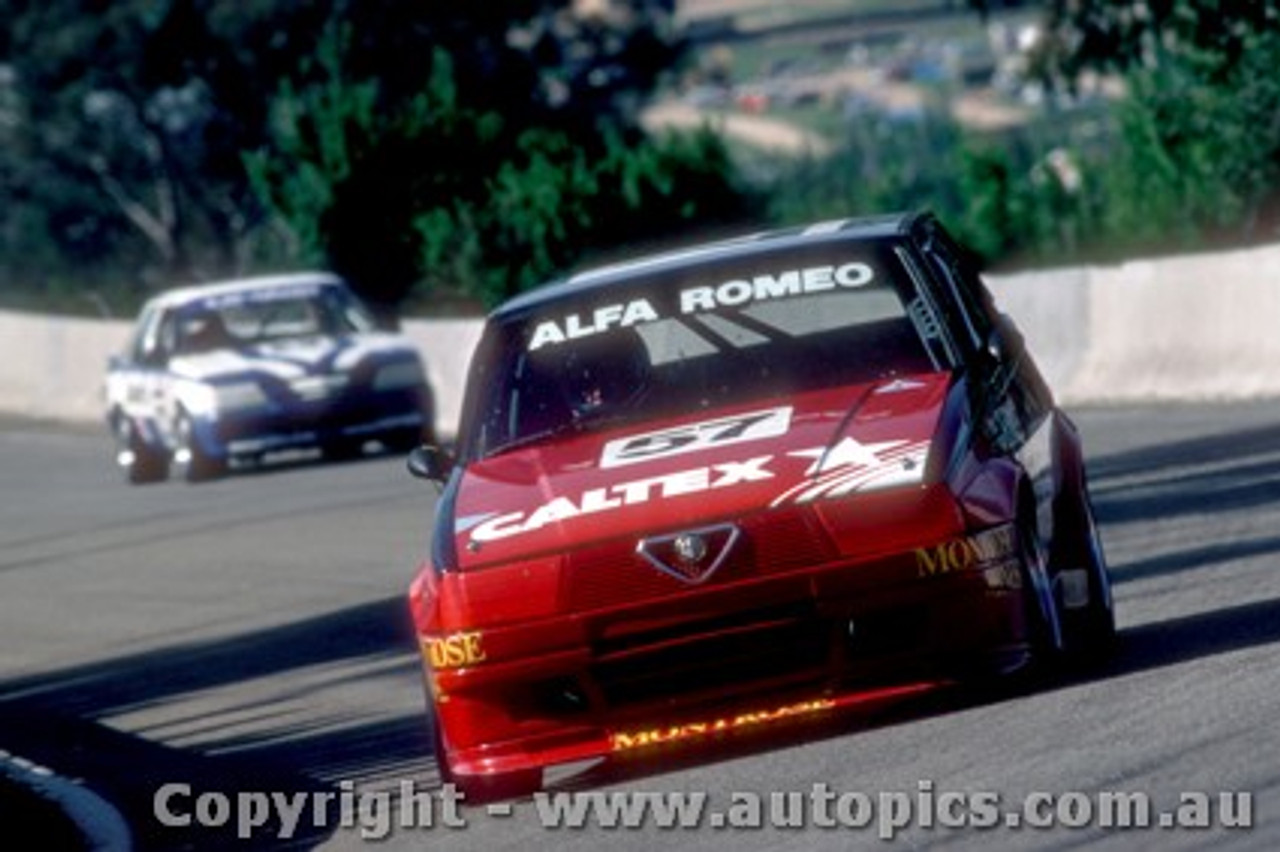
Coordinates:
<point>561,696</point>
<point>889,631</point>
<point>711,655</point>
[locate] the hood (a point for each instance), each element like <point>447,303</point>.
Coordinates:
<point>286,359</point>
<point>695,470</point>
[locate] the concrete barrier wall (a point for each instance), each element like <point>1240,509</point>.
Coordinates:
<point>1052,310</point>
<point>446,346</point>
<point>52,367</point>
<point>1181,329</point>
<point>1203,327</point>
<point>1190,328</point>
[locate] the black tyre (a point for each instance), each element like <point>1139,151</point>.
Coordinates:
<point>141,464</point>
<point>1043,618</point>
<point>194,463</point>
<point>1089,632</point>
<point>404,441</point>
<point>342,450</point>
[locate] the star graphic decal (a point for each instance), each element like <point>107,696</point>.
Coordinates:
<point>848,453</point>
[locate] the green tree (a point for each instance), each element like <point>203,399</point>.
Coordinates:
<point>557,203</point>
<point>1199,150</point>
<point>133,118</point>
<point>1127,34</point>
<point>193,138</point>
<point>485,178</point>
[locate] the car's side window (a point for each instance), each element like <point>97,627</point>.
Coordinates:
<point>144,326</point>
<point>1017,395</point>
<point>146,338</point>
<point>158,340</point>
<point>925,311</point>
<point>951,272</point>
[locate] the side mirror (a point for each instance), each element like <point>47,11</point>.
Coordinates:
<point>994,350</point>
<point>1004,341</point>
<point>429,462</point>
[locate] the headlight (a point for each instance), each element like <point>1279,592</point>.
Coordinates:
<point>239,396</point>
<point>405,374</point>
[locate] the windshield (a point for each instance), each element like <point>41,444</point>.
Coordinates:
<point>253,317</point>
<point>702,337</point>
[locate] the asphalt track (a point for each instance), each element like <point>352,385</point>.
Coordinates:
<point>251,635</point>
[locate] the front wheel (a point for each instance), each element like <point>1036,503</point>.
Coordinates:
<point>141,463</point>
<point>1089,631</point>
<point>405,441</point>
<point>195,464</point>
<point>1043,618</point>
<point>342,450</point>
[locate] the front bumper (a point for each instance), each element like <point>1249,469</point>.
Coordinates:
<point>745,654</point>
<point>329,422</point>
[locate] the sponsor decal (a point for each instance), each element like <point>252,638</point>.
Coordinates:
<point>634,492</point>
<point>695,437</point>
<point>762,288</point>
<point>963,554</point>
<point>454,651</point>
<point>849,466</point>
<point>283,293</point>
<point>734,293</point>
<point>627,740</point>
<point>836,471</point>
<point>576,326</point>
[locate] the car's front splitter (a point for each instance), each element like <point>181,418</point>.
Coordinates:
<point>685,731</point>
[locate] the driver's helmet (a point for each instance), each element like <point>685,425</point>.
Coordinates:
<point>203,332</point>
<point>605,372</point>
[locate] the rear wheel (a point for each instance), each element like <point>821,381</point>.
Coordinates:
<point>195,464</point>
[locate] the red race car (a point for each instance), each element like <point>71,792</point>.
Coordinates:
<point>739,484</point>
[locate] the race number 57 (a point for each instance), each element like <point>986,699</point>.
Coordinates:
<point>695,437</point>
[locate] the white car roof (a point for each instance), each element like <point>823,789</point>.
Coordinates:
<point>179,295</point>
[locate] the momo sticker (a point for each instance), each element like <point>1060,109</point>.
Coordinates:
<point>695,437</point>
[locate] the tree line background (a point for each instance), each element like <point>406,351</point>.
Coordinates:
<point>440,155</point>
